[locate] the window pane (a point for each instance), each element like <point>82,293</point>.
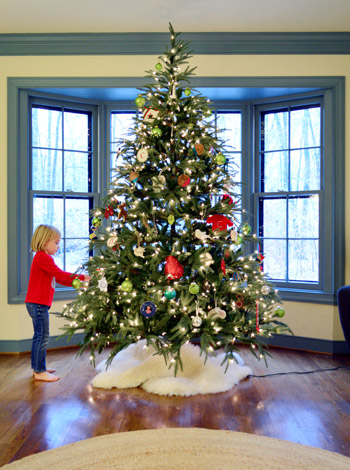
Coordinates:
<point>76,131</point>
<point>48,210</point>
<point>275,260</point>
<point>303,260</point>
<point>77,253</point>
<point>121,125</point>
<point>303,219</point>
<point>231,127</point>
<point>305,169</point>
<point>76,172</point>
<point>77,218</point>
<point>275,171</point>
<point>46,128</point>
<point>305,125</point>
<point>275,131</point>
<point>47,170</point>
<point>274,218</point>
<point>234,165</point>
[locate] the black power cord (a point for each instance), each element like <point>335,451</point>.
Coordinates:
<point>298,372</point>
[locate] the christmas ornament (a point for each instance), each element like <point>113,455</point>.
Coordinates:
<point>173,269</point>
<point>227,198</point>
<point>109,211</point>
<point>219,222</point>
<point>102,284</point>
<point>139,251</point>
<point>237,239</point>
<point>196,321</point>
<point>223,267</point>
<point>126,285</point>
<point>96,222</point>
<point>217,312</point>
<point>122,212</point>
<point>265,290</point>
<point>170,293</point>
<point>246,229</point>
<point>200,235</point>
<point>239,302</point>
<point>238,277</point>
<point>150,114</point>
<point>140,101</point>
<point>133,177</point>
<point>171,219</point>
<point>159,66</point>
<point>184,180</point>
<point>142,155</point>
<point>156,131</point>
<point>220,159</point>
<point>187,91</point>
<point>76,283</point>
<point>112,241</point>
<point>206,258</point>
<point>257,317</point>
<point>92,235</point>
<point>260,258</point>
<point>158,183</point>
<point>198,149</point>
<point>148,237</point>
<point>279,312</point>
<point>148,309</point>
<point>194,288</point>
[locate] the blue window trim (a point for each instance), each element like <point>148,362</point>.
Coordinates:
<point>335,127</point>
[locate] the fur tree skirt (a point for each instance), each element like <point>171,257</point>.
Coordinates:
<point>137,365</point>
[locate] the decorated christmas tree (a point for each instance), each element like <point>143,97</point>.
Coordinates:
<point>171,246</point>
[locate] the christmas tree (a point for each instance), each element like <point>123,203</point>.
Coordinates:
<point>170,242</point>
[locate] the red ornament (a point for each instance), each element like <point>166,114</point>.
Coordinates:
<point>239,302</point>
<point>227,198</point>
<point>220,222</point>
<point>109,212</point>
<point>223,266</point>
<point>173,269</point>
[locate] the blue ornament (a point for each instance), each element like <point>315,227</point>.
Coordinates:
<point>170,293</point>
<point>148,309</point>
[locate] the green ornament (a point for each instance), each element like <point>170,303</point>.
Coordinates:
<point>76,283</point>
<point>246,229</point>
<point>187,91</point>
<point>220,159</point>
<point>159,66</point>
<point>238,240</point>
<point>156,131</point>
<point>126,285</point>
<point>170,293</point>
<point>194,289</point>
<point>148,237</point>
<point>96,222</point>
<point>279,312</point>
<point>171,219</point>
<point>140,101</point>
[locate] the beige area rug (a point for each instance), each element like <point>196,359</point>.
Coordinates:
<point>183,448</point>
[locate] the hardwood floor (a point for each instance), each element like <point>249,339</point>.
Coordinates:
<point>312,409</point>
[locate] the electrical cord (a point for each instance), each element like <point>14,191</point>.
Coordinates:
<point>298,372</point>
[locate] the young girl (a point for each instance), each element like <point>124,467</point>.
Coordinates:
<point>41,288</point>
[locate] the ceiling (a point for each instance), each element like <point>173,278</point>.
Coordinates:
<point>85,16</point>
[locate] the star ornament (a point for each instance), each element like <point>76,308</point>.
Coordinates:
<point>139,251</point>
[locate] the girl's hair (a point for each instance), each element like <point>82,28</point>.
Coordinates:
<point>43,234</point>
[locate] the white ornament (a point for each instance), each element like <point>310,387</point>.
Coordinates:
<point>103,284</point>
<point>139,251</point>
<point>233,235</point>
<point>112,241</point>
<point>265,290</point>
<point>217,312</point>
<point>158,183</point>
<point>206,258</point>
<point>142,155</point>
<point>196,321</point>
<point>200,235</point>
<point>150,114</point>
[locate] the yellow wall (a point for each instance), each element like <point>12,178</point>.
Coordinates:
<point>307,320</point>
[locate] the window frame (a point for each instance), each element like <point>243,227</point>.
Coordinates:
<point>334,96</point>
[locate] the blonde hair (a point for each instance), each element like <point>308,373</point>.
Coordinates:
<point>43,233</point>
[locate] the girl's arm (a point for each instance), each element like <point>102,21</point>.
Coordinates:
<point>65,278</point>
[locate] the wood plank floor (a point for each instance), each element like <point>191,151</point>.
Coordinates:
<point>312,409</point>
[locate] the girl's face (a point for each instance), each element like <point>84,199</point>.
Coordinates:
<point>52,246</point>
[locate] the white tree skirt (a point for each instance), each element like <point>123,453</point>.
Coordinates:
<point>137,365</point>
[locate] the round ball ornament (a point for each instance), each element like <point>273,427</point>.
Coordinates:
<point>187,91</point>
<point>140,101</point>
<point>159,66</point>
<point>246,229</point>
<point>265,290</point>
<point>156,131</point>
<point>279,312</point>
<point>220,159</point>
<point>142,155</point>
<point>170,293</point>
<point>196,321</point>
<point>194,288</point>
<point>112,241</point>
<point>133,177</point>
<point>148,309</point>
<point>184,180</point>
<point>199,148</point>
<point>96,222</point>
<point>76,283</point>
<point>126,285</point>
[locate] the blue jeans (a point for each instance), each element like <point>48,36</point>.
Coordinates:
<point>40,318</point>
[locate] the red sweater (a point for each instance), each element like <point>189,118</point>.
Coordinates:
<point>43,273</point>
